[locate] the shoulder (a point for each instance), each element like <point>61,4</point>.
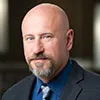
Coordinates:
<point>89,78</point>
<point>19,87</point>
<point>88,82</point>
<point>92,79</point>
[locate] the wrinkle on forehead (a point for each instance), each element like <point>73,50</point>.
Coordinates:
<point>49,12</point>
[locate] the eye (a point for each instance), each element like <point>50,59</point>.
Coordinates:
<point>48,36</point>
<point>29,38</point>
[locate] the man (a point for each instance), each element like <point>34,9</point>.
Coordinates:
<point>47,40</point>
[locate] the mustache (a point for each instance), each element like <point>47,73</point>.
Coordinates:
<point>37,57</point>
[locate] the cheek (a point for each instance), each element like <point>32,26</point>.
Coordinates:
<point>60,49</point>
<point>53,50</point>
<point>27,51</point>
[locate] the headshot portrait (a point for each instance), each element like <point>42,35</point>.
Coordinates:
<point>47,43</point>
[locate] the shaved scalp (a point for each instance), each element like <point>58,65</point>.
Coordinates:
<point>51,11</point>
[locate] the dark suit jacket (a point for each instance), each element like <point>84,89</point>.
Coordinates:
<point>81,85</point>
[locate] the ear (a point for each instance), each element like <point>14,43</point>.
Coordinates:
<point>70,36</point>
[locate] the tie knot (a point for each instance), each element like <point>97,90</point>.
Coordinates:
<point>46,92</point>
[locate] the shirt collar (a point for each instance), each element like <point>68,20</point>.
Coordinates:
<point>38,85</point>
<point>57,84</point>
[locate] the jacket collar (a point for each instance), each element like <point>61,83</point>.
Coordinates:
<point>74,84</point>
<point>26,88</point>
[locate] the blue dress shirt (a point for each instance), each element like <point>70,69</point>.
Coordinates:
<point>56,85</point>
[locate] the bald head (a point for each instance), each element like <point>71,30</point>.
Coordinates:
<point>48,12</point>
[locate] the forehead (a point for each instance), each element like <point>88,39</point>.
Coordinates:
<point>44,19</point>
<point>40,23</point>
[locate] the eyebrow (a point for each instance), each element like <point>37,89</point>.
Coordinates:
<point>42,34</point>
<point>27,35</point>
<point>46,33</point>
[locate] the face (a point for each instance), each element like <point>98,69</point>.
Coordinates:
<point>46,46</point>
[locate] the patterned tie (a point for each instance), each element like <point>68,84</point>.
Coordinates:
<point>46,92</point>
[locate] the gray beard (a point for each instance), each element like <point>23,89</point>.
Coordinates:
<point>48,72</point>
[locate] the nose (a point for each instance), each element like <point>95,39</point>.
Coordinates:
<point>38,47</point>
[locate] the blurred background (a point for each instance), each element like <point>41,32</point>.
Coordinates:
<point>84,16</point>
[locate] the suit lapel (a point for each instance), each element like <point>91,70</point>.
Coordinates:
<point>74,93</point>
<point>74,84</point>
<point>26,88</point>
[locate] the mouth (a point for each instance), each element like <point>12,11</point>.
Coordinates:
<point>39,59</point>
<point>39,63</point>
